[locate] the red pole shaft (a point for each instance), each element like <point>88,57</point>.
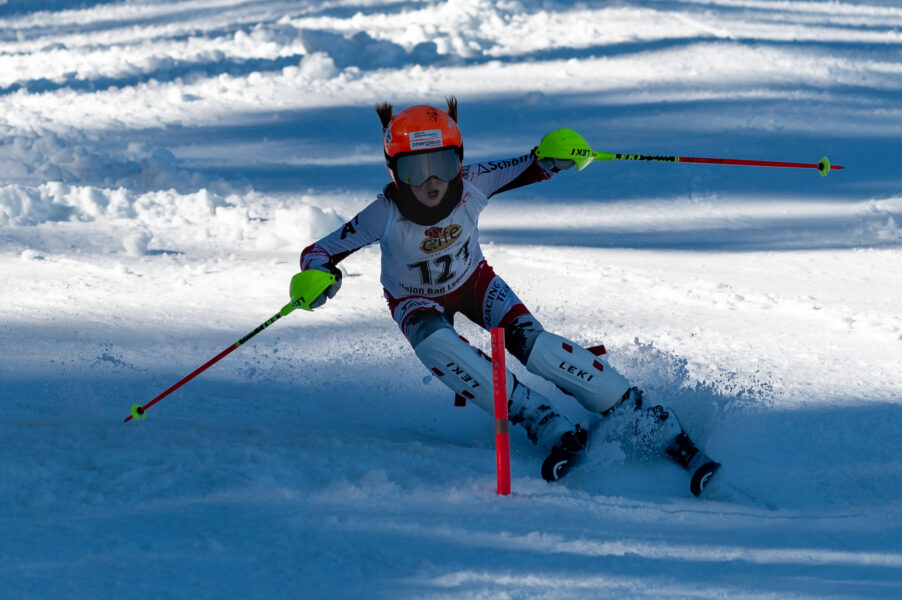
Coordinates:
<point>211,362</point>
<point>502,434</point>
<point>751,163</point>
<point>188,378</point>
<point>720,161</point>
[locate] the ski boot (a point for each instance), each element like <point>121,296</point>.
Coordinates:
<point>659,430</point>
<point>700,467</point>
<point>565,454</point>
<point>631,399</point>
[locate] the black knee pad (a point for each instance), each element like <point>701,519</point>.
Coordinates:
<point>520,336</point>
<point>424,323</point>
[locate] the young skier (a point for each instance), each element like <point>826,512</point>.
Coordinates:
<point>425,221</point>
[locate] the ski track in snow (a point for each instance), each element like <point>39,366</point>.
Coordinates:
<point>163,163</point>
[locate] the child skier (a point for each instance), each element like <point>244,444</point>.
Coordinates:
<point>433,268</point>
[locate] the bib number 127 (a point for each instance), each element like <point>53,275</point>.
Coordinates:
<point>442,265</point>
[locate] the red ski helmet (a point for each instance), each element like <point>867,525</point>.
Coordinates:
<point>421,142</point>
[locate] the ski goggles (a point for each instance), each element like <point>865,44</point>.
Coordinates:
<point>415,169</point>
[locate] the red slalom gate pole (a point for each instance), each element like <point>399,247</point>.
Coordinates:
<point>502,434</point>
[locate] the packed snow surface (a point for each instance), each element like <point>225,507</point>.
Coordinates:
<point>162,164</point>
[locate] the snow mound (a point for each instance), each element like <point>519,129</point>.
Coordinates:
<point>173,218</point>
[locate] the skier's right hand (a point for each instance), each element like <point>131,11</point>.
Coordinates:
<point>332,289</point>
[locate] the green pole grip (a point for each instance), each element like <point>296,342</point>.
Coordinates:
<point>305,287</point>
<point>566,144</point>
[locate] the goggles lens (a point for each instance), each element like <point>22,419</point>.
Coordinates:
<point>415,169</point>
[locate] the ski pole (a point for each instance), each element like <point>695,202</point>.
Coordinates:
<point>568,145</point>
<point>306,287</point>
<point>823,165</point>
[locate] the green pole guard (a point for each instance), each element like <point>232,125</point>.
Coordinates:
<point>566,144</point>
<point>305,287</point>
<point>823,166</point>
<point>138,413</point>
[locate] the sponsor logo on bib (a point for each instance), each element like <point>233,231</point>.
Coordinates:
<point>438,239</point>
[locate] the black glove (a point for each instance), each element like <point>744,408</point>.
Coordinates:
<point>555,165</point>
<point>330,291</point>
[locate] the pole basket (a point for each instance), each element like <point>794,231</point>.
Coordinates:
<point>502,435</point>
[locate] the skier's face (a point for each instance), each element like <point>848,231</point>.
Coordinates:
<point>431,192</point>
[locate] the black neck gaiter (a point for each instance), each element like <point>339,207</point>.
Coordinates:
<point>416,211</point>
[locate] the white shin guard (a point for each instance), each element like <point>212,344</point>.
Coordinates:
<point>468,372</point>
<point>460,366</point>
<point>596,385</point>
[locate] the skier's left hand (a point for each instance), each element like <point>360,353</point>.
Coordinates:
<point>555,165</point>
<point>563,148</point>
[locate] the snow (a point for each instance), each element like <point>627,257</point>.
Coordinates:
<point>163,163</point>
